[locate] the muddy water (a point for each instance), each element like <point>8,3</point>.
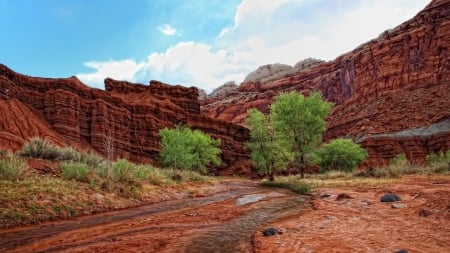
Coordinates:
<point>223,222</point>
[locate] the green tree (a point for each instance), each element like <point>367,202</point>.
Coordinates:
<point>268,152</point>
<point>341,154</point>
<point>183,148</point>
<point>300,122</point>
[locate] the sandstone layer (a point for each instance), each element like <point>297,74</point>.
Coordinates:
<point>398,81</point>
<point>68,112</point>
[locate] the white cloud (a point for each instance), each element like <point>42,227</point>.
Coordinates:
<point>192,64</point>
<point>120,70</point>
<point>168,30</point>
<point>263,32</point>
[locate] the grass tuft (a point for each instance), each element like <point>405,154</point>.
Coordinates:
<point>75,170</point>
<point>12,167</point>
<point>41,149</point>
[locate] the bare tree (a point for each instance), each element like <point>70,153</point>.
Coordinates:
<point>108,143</point>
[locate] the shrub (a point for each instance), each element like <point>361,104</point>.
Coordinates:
<point>75,170</point>
<point>123,171</point>
<point>91,159</point>
<point>399,160</point>
<point>439,157</point>
<point>341,154</point>
<point>12,167</point>
<point>143,171</point>
<point>70,154</point>
<point>183,148</point>
<point>41,148</point>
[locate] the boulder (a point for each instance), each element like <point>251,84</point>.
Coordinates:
<point>270,232</point>
<point>390,198</point>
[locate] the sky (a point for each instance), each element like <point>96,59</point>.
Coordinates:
<point>202,43</point>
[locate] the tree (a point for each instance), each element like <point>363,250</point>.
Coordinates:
<point>341,154</point>
<point>268,152</point>
<point>300,122</point>
<point>182,148</point>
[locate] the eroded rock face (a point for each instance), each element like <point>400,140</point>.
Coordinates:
<point>398,81</point>
<point>70,113</point>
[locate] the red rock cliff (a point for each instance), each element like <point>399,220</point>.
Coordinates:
<point>398,81</point>
<point>68,112</point>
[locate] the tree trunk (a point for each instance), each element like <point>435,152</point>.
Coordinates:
<point>302,167</point>
<point>271,177</point>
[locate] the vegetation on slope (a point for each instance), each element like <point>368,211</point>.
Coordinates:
<point>83,184</point>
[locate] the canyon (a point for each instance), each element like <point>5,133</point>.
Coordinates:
<point>386,87</point>
<point>396,82</point>
<point>67,112</point>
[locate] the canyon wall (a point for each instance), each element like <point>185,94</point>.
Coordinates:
<point>69,113</point>
<point>398,81</point>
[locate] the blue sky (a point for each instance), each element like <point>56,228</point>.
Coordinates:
<point>202,43</point>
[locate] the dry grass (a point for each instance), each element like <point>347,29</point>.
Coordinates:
<point>83,189</point>
<point>379,177</point>
<point>35,199</point>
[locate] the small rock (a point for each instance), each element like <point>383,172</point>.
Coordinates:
<point>325,195</point>
<point>390,198</point>
<point>367,202</point>
<point>97,197</point>
<point>270,232</point>
<point>342,196</point>
<point>399,205</point>
<point>425,212</point>
<point>46,170</point>
<point>401,251</point>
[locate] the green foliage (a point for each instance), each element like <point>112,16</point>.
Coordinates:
<point>71,154</point>
<point>123,171</point>
<point>269,153</point>
<point>41,148</point>
<point>91,159</point>
<point>12,167</point>
<point>439,158</point>
<point>300,121</point>
<point>75,170</point>
<point>341,154</point>
<point>399,160</point>
<point>183,148</point>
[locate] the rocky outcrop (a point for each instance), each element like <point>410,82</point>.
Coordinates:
<point>398,81</point>
<point>272,72</point>
<point>224,89</point>
<point>70,113</point>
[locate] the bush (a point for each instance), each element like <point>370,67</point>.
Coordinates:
<point>70,154</point>
<point>91,159</point>
<point>12,167</point>
<point>341,154</point>
<point>439,157</point>
<point>75,170</point>
<point>399,160</point>
<point>41,148</point>
<point>123,171</point>
<point>183,148</point>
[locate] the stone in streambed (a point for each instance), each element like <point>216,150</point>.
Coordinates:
<point>390,198</point>
<point>399,205</point>
<point>270,231</point>
<point>343,196</point>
